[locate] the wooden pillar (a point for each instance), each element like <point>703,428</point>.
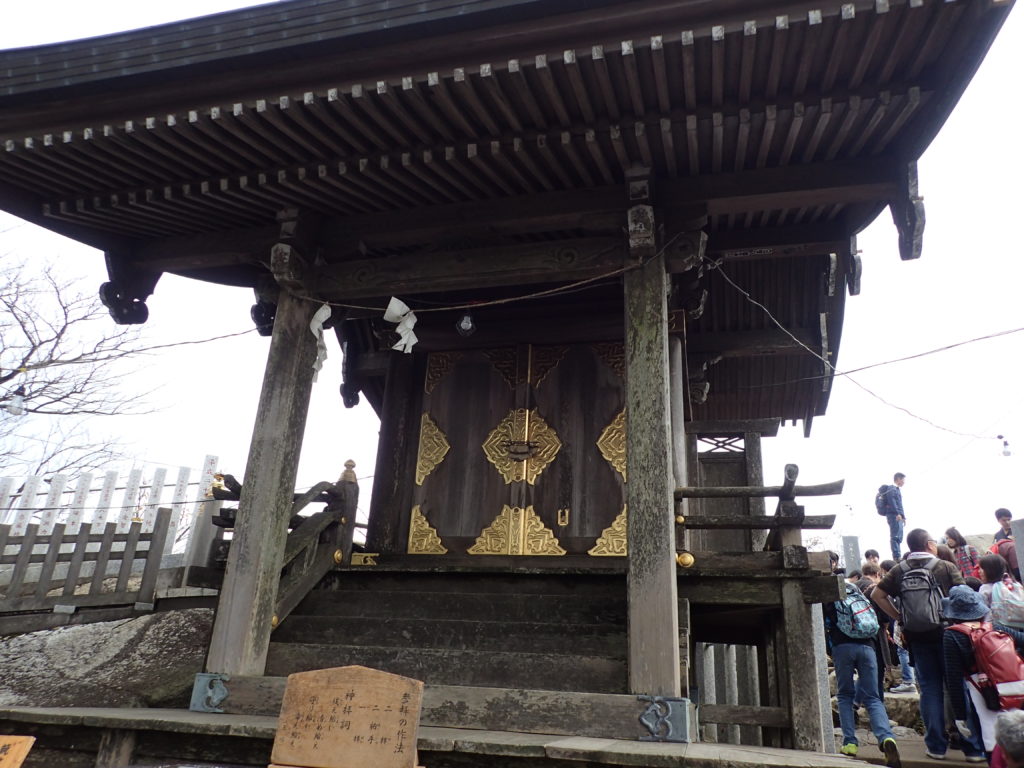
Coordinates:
<point>653,613</point>
<point>708,693</point>
<point>749,691</point>
<point>755,477</point>
<point>821,668</point>
<point>731,679</point>
<point>241,630</point>
<point>116,749</point>
<point>805,706</point>
<point>399,431</point>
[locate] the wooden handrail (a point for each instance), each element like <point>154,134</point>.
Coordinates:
<point>756,522</point>
<point>320,542</point>
<point>743,491</point>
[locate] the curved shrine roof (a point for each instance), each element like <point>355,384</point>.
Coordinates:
<point>415,130</point>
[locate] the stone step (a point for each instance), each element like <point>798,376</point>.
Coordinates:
<point>608,640</point>
<point>497,669</point>
<point>466,606</point>
<point>353,580</point>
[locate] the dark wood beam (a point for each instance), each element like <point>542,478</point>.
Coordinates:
<point>472,269</point>
<point>602,209</point>
<point>228,247</point>
<point>738,427</point>
<point>801,186</point>
<point>598,211</point>
<point>23,205</point>
<point>777,242</point>
<point>727,344</point>
<point>539,328</point>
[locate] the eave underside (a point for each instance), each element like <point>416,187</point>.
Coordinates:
<point>788,131</point>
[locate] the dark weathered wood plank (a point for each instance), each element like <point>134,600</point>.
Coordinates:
<point>50,562</point>
<point>102,558</point>
<point>756,522</point>
<point>77,558</point>
<point>653,614</point>
<point>773,717</point>
<point>241,632</point>
<point>745,565</point>
<point>297,585</point>
<point>21,565</point>
<point>117,748</point>
<point>611,716</point>
<point>480,268</point>
<point>128,556</point>
<point>157,541</point>
<point>802,671</point>
<point>824,489</point>
<point>399,428</point>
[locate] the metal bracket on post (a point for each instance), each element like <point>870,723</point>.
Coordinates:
<point>667,719</point>
<point>209,692</point>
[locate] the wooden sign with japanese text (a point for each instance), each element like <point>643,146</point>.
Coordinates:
<point>14,750</point>
<point>348,717</point>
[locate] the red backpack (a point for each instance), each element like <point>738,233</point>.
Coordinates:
<point>1008,550</point>
<point>1000,678</point>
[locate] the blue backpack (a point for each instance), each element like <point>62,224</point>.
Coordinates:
<point>854,615</point>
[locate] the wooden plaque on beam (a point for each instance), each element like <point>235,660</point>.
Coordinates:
<point>348,717</point>
<point>14,750</point>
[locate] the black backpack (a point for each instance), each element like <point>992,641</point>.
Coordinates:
<point>920,598</point>
<point>881,499</point>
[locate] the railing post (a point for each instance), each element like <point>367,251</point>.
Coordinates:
<point>156,491</point>
<point>348,491</point>
<point>52,503</point>
<point>177,507</point>
<point>82,490</point>
<point>202,532</point>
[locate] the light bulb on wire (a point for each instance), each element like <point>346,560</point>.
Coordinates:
<point>465,325</point>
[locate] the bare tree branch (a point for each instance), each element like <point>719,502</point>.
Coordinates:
<point>58,346</point>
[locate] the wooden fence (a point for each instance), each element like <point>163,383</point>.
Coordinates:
<point>62,571</point>
<point>60,499</point>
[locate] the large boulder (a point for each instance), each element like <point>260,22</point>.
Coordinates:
<point>903,710</point>
<point>142,662</point>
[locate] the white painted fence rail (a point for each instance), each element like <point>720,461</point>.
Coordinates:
<point>115,498</point>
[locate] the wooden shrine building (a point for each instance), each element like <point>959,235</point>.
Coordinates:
<point>644,211</point>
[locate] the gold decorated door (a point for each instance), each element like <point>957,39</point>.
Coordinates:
<point>521,452</point>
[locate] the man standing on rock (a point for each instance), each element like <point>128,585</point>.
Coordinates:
<point>890,503</point>
<point>920,582</point>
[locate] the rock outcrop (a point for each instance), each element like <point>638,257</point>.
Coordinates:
<point>142,662</point>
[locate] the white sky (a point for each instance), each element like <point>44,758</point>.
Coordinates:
<point>967,284</point>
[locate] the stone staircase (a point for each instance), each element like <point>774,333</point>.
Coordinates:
<point>539,631</point>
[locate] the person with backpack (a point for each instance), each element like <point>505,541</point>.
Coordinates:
<point>889,504</point>
<point>982,669</point>
<point>851,627</point>
<point>920,582</point>
<point>966,556</point>
<point>1003,517</point>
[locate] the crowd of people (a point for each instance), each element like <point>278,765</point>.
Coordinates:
<point>952,620</point>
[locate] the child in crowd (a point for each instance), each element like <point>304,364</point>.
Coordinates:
<point>966,555</point>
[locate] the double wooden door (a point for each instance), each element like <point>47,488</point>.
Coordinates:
<point>521,452</point>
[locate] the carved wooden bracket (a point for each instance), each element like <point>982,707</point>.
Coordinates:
<point>908,213</point>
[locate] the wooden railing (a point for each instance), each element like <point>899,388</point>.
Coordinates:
<point>784,526</point>
<point>46,571</point>
<point>321,542</point>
